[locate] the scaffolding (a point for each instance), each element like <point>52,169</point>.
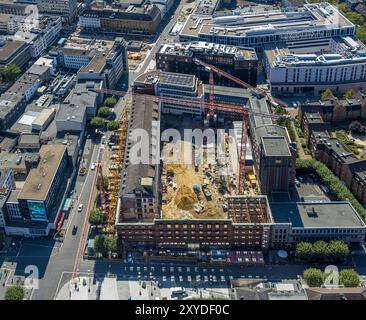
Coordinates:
<point>114,170</point>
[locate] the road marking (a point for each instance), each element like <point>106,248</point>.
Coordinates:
<point>81,242</point>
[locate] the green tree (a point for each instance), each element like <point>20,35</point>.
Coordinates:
<point>349,278</point>
<point>104,112</point>
<point>11,71</point>
<point>113,125</point>
<point>320,249</point>
<point>304,250</point>
<point>337,250</point>
<point>313,277</point>
<point>100,244</point>
<point>349,94</point>
<point>111,243</point>
<point>97,122</point>
<point>110,102</point>
<point>96,217</point>
<point>327,94</point>
<point>105,182</point>
<point>14,293</point>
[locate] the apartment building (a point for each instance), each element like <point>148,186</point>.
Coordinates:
<point>273,152</point>
<point>247,226</point>
<point>40,38</point>
<point>337,110</point>
<point>33,210</point>
<point>14,52</point>
<point>133,20</point>
<point>7,183</point>
<point>104,61</point>
<point>64,8</point>
<point>343,163</point>
<point>239,62</point>
<point>311,67</point>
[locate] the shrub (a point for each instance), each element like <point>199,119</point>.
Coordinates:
<point>97,122</point>
<point>113,125</point>
<point>314,277</point>
<point>104,112</point>
<point>96,217</point>
<point>110,102</point>
<point>14,293</point>
<point>349,278</point>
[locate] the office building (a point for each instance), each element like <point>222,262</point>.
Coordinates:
<point>239,62</point>
<point>142,20</point>
<point>33,210</point>
<point>313,66</point>
<point>256,27</point>
<point>308,221</point>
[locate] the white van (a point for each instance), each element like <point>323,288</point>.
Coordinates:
<point>178,292</point>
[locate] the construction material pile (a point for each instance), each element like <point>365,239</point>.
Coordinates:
<point>185,198</point>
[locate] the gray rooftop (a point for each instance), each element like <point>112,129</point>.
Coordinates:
<point>275,146</point>
<point>316,215</point>
<point>71,112</point>
<point>144,112</point>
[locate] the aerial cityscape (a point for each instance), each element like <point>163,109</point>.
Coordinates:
<point>182,150</point>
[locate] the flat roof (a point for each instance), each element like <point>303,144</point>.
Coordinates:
<point>9,49</point>
<point>167,78</point>
<point>316,215</point>
<point>245,23</point>
<point>39,179</point>
<point>275,146</point>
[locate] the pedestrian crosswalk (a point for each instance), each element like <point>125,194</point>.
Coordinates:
<point>179,274</point>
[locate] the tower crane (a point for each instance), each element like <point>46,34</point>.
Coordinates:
<point>245,123</point>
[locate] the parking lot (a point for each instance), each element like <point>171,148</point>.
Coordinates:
<point>310,188</point>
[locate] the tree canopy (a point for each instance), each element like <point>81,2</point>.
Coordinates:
<point>14,293</point>
<point>113,125</point>
<point>321,250</point>
<point>104,112</point>
<point>96,217</point>
<point>111,243</point>
<point>11,71</point>
<point>110,102</point>
<point>349,94</point>
<point>100,244</point>
<point>349,278</point>
<point>327,94</point>
<point>314,277</point>
<point>97,122</point>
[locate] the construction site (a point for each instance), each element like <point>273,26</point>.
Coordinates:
<point>193,185</point>
<point>195,178</point>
